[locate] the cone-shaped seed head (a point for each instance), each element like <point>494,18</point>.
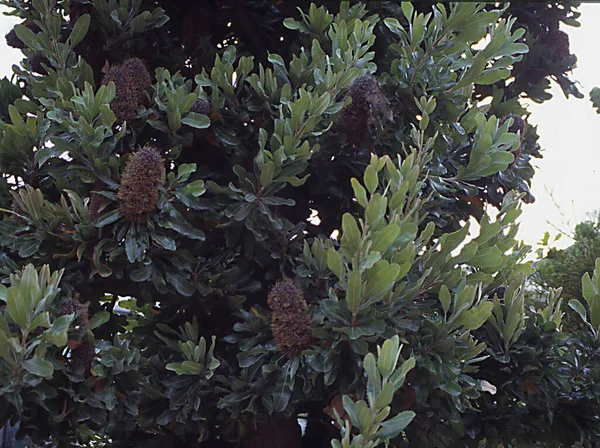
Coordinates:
<point>131,80</point>
<point>138,192</point>
<point>290,321</point>
<point>354,119</point>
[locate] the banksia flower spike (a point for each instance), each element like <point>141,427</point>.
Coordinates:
<point>12,40</point>
<point>132,80</point>
<point>290,320</point>
<point>201,107</point>
<point>85,353</point>
<point>367,97</point>
<point>141,179</point>
<point>36,61</point>
<point>74,306</point>
<point>558,41</point>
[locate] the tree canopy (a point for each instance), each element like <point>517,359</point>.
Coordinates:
<point>221,220</point>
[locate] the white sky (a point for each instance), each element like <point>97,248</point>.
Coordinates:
<point>569,134</point>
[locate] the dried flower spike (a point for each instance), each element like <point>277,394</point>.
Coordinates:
<point>367,97</point>
<point>138,192</point>
<point>290,320</point>
<point>132,80</point>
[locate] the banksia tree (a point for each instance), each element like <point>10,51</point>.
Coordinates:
<point>228,229</point>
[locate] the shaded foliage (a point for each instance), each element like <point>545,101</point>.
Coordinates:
<point>274,229</point>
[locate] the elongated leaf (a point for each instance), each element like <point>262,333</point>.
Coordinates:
<point>197,121</point>
<point>354,293</point>
<point>391,428</point>
<point>335,262</point>
<point>578,307</point>
<point>80,29</point>
<point>445,298</point>
<point>38,366</point>
<point>388,357</point>
<point>99,319</point>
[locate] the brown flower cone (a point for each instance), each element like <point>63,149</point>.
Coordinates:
<point>132,80</point>
<point>85,353</point>
<point>354,119</point>
<point>290,320</point>
<point>138,192</point>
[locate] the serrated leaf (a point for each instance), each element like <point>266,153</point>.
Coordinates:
<point>359,193</point>
<point>165,242</point>
<point>195,120</point>
<point>108,218</point>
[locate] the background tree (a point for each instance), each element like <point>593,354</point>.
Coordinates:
<point>252,225</point>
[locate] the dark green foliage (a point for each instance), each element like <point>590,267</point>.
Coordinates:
<point>564,268</point>
<point>342,149</point>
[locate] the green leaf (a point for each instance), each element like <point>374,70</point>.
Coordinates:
<point>141,274</point>
<point>475,317</point>
<point>57,333</point>
<point>99,319</point>
<point>108,218</point>
<point>165,242</point>
<point>80,29</point>
<point>588,288</point>
<point>385,238</point>
<point>445,298</point>
<point>335,262</point>
<point>578,307</point>
<point>350,239</point>
<point>28,37</point>
<point>385,396</point>
<point>492,76</point>
<point>382,280</point>
<point>197,121</point>
<point>183,228</point>
<point>354,293</point>
<point>351,409</point>
<point>38,366</point>
<point>196,188</point>
<point>371,179</point>
<point>266,175</point>
<point>388,356</point>
<point>184,287</point>
<point>359,193</point>
<point>42,320</point>
<point>16,308</point>
<point>185,170</point>
<point>393,427</point>
<point>6,352</point>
